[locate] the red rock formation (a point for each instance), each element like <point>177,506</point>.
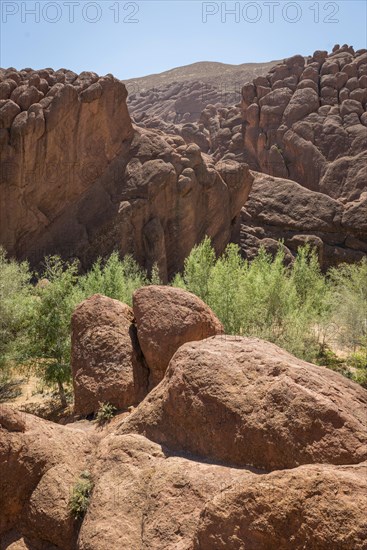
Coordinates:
<point>308,507</point>
<point>309,125</point>
<point>137,191</point>
<point>240,401</point>
<point>59,131</point>
<point>39,464</point>
<point>246,402</point>
<point>281,209</point>
<point>306,121</point>
<point>166,318</point>
<point>107,364</point>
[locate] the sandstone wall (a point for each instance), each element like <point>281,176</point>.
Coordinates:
<point>78,180</point>
<point>58,132</point>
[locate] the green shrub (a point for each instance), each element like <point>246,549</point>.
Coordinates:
<point>198,267</point>
<point>349,303</point>
<point>358,359</point>
<point>17,301</point>
<point>50,328</point>
<point>263,298</point>
<point>80,495</point>
<point>105,413</point>
<point>115,278</point>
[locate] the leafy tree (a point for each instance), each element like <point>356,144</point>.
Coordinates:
<point>225,278</point>
<point>115,278</point>
<point>198,267</point>
<point>16,305</point>
<point>50,351</point>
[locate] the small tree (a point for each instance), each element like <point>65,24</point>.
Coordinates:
<point>198,268</point>
<point>114,278</point>
<point>50,350</point>
<point>17,301</point>
<point>349,303</point>
<point>225,283</point>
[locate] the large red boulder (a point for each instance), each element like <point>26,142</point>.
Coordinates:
<point>107,364</point>
<point>246,402</point>
<point>166,318</point>
<point>314,506</point>
<point>39,463</point>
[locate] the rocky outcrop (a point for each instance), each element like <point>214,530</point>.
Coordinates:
<point>308,118</point>
<point>308,507</point>
<point>137,191</point>
<point>166,318</point>
<point>221,393</point>
<point>107,363</point>
<point>173,199</point>
<point>58,132</point>
<point>281,209</point>
<point>175,472</point>
<point>155,203</point>
<point>306,121</point>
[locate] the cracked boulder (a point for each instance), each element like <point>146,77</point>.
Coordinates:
<point>107,364</point>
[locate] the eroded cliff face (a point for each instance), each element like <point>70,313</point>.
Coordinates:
<point>79,180</point>
<point>281,209</point>
<point>304,117</point>
<point>306,121</point>
<point>58,130</point>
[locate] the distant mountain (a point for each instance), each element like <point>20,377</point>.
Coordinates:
<point>210,72</point>
<point>180,95</point>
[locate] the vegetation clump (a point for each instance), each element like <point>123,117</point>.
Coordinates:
<point>80,495</point>
<point>105,413</point>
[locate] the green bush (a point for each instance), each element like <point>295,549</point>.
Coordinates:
<point>115,278</point>
<point>198,268</point>
<point>105,413</point>
<point>263,298</point>
<point>17,302</point>
<point>80,495</point>
<point>349,303</point>
<point>358,359</point>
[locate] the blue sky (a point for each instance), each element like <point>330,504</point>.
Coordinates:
<point>131,39</point>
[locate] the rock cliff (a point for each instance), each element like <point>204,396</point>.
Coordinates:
<point>79,180</point>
